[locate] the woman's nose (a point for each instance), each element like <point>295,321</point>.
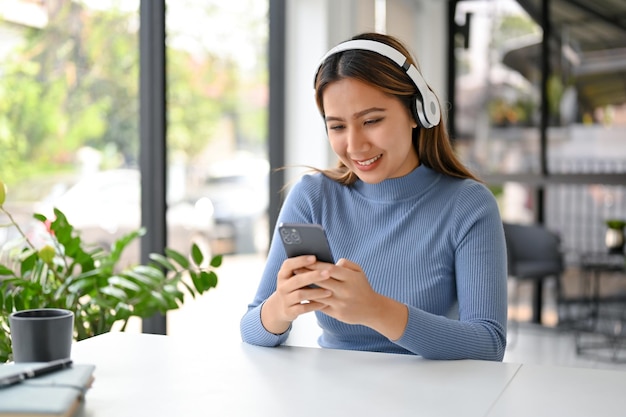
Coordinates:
<point>357,142</point>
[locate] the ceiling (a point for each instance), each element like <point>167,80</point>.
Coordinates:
<point>588,43</point>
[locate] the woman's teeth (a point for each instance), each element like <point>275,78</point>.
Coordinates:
<point>369,161</point>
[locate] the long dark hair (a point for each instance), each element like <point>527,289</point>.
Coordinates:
<point>432,145</point>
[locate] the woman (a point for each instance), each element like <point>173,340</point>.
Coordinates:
<point>422,256</point>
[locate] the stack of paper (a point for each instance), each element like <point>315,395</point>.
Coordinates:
<point>60,393</point>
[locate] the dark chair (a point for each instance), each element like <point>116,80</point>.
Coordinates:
<point>534,255</point>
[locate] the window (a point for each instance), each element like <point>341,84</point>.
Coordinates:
<point>549,142</point>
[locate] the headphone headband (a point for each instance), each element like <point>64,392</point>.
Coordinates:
<point>426,110</point>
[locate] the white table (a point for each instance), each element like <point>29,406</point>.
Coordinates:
<point>150,375</point>
<point>558,391</point>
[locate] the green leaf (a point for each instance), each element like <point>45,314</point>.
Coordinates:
<point>122,282</point>
<point>40,217</point>
<point>79,284</point>
<point>64,232</point>
<point>3,193</point>
<point>28,263</point>
<point>158,297</point>
<point>14,282</point>
<point>163,261</point>
<point>173,290</point>
<point>123,311</point>
<point>195,279</point>
<point>208,279</point>
<point>5,271</point>
<point>120,244</point>
<point>82,286</point>
<point>190,289</point>
<point>114,292</point>
<point>154,273</point>
<point>140,278</point>
<point>171,301</point>
<point>92,273</point>
<point>216,261</point>
<point>72,247</point>
<point>196,254</point>
<point>177,257</point>
<point>70,301</point>
<point>173,304</point>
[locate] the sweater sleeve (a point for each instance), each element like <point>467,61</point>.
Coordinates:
<point>296,209</point>
<point>481,284</point>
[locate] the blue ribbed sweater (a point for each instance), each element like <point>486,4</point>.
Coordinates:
<point>430,241</point>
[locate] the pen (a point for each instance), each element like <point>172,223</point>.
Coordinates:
<point>34,372</point>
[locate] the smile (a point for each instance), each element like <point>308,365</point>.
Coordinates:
<point>369,161</point>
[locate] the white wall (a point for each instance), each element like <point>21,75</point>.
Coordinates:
<point>307,40</point>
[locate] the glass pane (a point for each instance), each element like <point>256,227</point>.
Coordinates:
<point>497,108</point>
<point>587,93</point>
<point>498,80</point>
<point>217,147</point>
<point>217,118</point>
<point>69,116</point>
<point>580,213</point>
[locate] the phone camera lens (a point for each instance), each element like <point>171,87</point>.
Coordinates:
<point>295,236</point>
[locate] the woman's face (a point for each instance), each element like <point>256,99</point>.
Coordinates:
<point>369,130</point>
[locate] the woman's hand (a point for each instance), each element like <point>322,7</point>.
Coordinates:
<point>354,301</point>
<point>352,296</point>
<point>293,295</point>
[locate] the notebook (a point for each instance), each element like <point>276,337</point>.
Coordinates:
<point>58,394</point>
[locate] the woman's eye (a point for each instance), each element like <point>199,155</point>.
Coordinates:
<point>335,127</point>
<point>373,121</point>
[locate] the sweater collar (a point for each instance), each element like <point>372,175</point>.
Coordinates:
<point>411,185</point>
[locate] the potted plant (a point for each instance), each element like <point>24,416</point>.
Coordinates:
<point>68,273</point>
<point>614,236</point>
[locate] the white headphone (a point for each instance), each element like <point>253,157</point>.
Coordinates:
<point>426,107</point>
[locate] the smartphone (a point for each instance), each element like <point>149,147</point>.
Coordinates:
<point>305,239</point>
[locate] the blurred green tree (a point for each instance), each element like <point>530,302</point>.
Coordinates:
<point>75,83</point>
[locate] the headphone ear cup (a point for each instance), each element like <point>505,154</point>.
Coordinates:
<point>418,113</point>
<point>426,110</point>
<point>431,108</point>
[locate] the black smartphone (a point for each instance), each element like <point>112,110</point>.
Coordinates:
<point>305,239</point>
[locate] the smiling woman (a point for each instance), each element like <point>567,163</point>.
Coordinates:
<point>419,243</point>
